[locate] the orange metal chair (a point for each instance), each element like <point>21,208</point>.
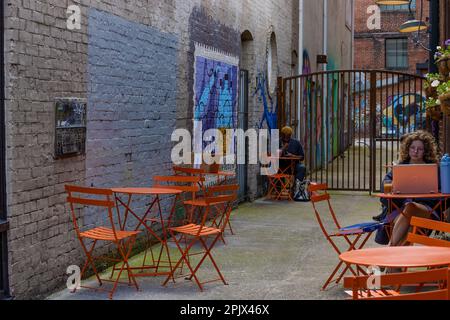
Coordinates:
<point>355,236</point>
<point>361,291</point>
<point>280,186</point>
<point>189,186</point>
<point>418,234</point>
<point>218,216</point>
<point>124,240</point>
<point>198,232</point>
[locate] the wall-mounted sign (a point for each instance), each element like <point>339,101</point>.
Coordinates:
<point>70,127</point>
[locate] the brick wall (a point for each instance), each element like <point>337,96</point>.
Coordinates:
<point>132,61</point>
<point>370,44</point>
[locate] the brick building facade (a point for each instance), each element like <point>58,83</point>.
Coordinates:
<point>141,70</point>
<point>371,43</point>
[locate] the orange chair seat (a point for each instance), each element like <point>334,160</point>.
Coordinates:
<point>201,202</point>
<point>193,229</point>
<point>107,234</point>
<point>279,176</point>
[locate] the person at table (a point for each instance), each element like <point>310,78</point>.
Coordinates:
<point>388,179</point>
<point>290,147</point>
<point>417,148</point>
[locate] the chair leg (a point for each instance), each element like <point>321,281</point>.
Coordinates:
<point>89,261</point>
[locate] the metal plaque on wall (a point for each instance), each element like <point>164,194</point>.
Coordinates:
<point>70,127</point>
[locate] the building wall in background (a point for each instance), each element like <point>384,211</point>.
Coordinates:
<point>134,63</point>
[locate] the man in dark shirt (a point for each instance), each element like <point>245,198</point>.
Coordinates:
<point>291,147</point>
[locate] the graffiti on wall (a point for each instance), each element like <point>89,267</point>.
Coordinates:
<point>269,117</point>
<point>215,89</point>
<point>403,114</point>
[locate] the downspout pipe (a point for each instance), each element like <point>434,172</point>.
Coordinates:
<point>434,36</point>
<point>325,31</point>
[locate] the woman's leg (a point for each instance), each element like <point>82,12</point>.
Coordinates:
<point>401,225</point>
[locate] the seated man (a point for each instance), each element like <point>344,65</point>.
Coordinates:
<point>292,148</point>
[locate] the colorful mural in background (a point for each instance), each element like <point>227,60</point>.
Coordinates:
<point>269,118</point>
<point>215,89</point>
<point>403,113</point>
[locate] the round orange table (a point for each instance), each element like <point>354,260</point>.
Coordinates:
<point>156,192</point>
<point>399,257</point>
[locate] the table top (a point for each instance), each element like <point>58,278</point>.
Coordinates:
<point>407,257</point>
<point>411,196</point>
<point>286,157</point>
<point>146,191</point>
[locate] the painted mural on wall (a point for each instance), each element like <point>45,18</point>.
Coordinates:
<point>403,114</point>
<point>269,119</point>
<point>215,89</point>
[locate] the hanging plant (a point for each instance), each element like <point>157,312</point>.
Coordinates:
<point>433,108</point>
<point>442,58</point>
<point>433,80</point>
<point>443,91</point>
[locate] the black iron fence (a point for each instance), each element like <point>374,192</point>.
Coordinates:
<point>350,122</point>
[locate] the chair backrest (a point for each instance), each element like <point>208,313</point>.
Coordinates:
<point>417,237</point>
<point>189,171</point>
<point>95,197</point>
<point>442,276</point>
<point>230,189</point>
<point>319,194</point>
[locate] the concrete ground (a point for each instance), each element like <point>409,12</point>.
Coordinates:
<point>278,252</point>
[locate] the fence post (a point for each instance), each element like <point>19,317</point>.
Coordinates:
<point>373,128</point>
<point>281,121</point>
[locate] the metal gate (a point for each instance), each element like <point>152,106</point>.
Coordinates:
<point>243,124</point>
<point>350,122</point>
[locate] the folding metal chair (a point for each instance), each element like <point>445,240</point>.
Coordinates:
<point>361,291</point>
<point>124,240</point>
<point>198,232</point>
<point>218,220</point>
<point>355,236</point>
<point>280,186</point>
<point>190,186</point>
<point>421,228</point>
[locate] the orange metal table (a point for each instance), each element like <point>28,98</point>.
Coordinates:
<point>284,178</point>
<point>156,192</point>
<point>399,257</point>
<point>392,196</point>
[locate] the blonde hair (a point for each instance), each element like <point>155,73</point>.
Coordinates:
<point>287,131</point>
<point>431,154</point>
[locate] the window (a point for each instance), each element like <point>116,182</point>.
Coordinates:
<point>399,8</point>
<point>397,53</point>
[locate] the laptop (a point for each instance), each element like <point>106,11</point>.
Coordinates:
<point>415,179</point>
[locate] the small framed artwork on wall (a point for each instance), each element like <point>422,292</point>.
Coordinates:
<point>70,127</point>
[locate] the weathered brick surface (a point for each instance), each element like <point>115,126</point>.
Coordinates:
<point>370,44</point>
<point>135,66</point>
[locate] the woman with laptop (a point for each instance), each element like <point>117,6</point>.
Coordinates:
<point>417,148</point>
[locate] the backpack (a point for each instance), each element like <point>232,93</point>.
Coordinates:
<point>301,193</point>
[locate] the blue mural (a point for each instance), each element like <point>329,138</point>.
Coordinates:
<point>216,85</point>
<point>270,113</point>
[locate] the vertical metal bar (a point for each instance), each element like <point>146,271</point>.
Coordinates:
<point>359,128</point>
<point>387,134</point>
<point>338,132</point>
<point>352,92</point>
<point>309,113</point>
<point>316,126</point>
<point>392,125</point>
<point>327,113</point>
<point>297,122</point>
<point>366,121</point>
<point>349,129</point>
<point>333,85</point>
<point>322,129</point>
<point>372,122</point>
